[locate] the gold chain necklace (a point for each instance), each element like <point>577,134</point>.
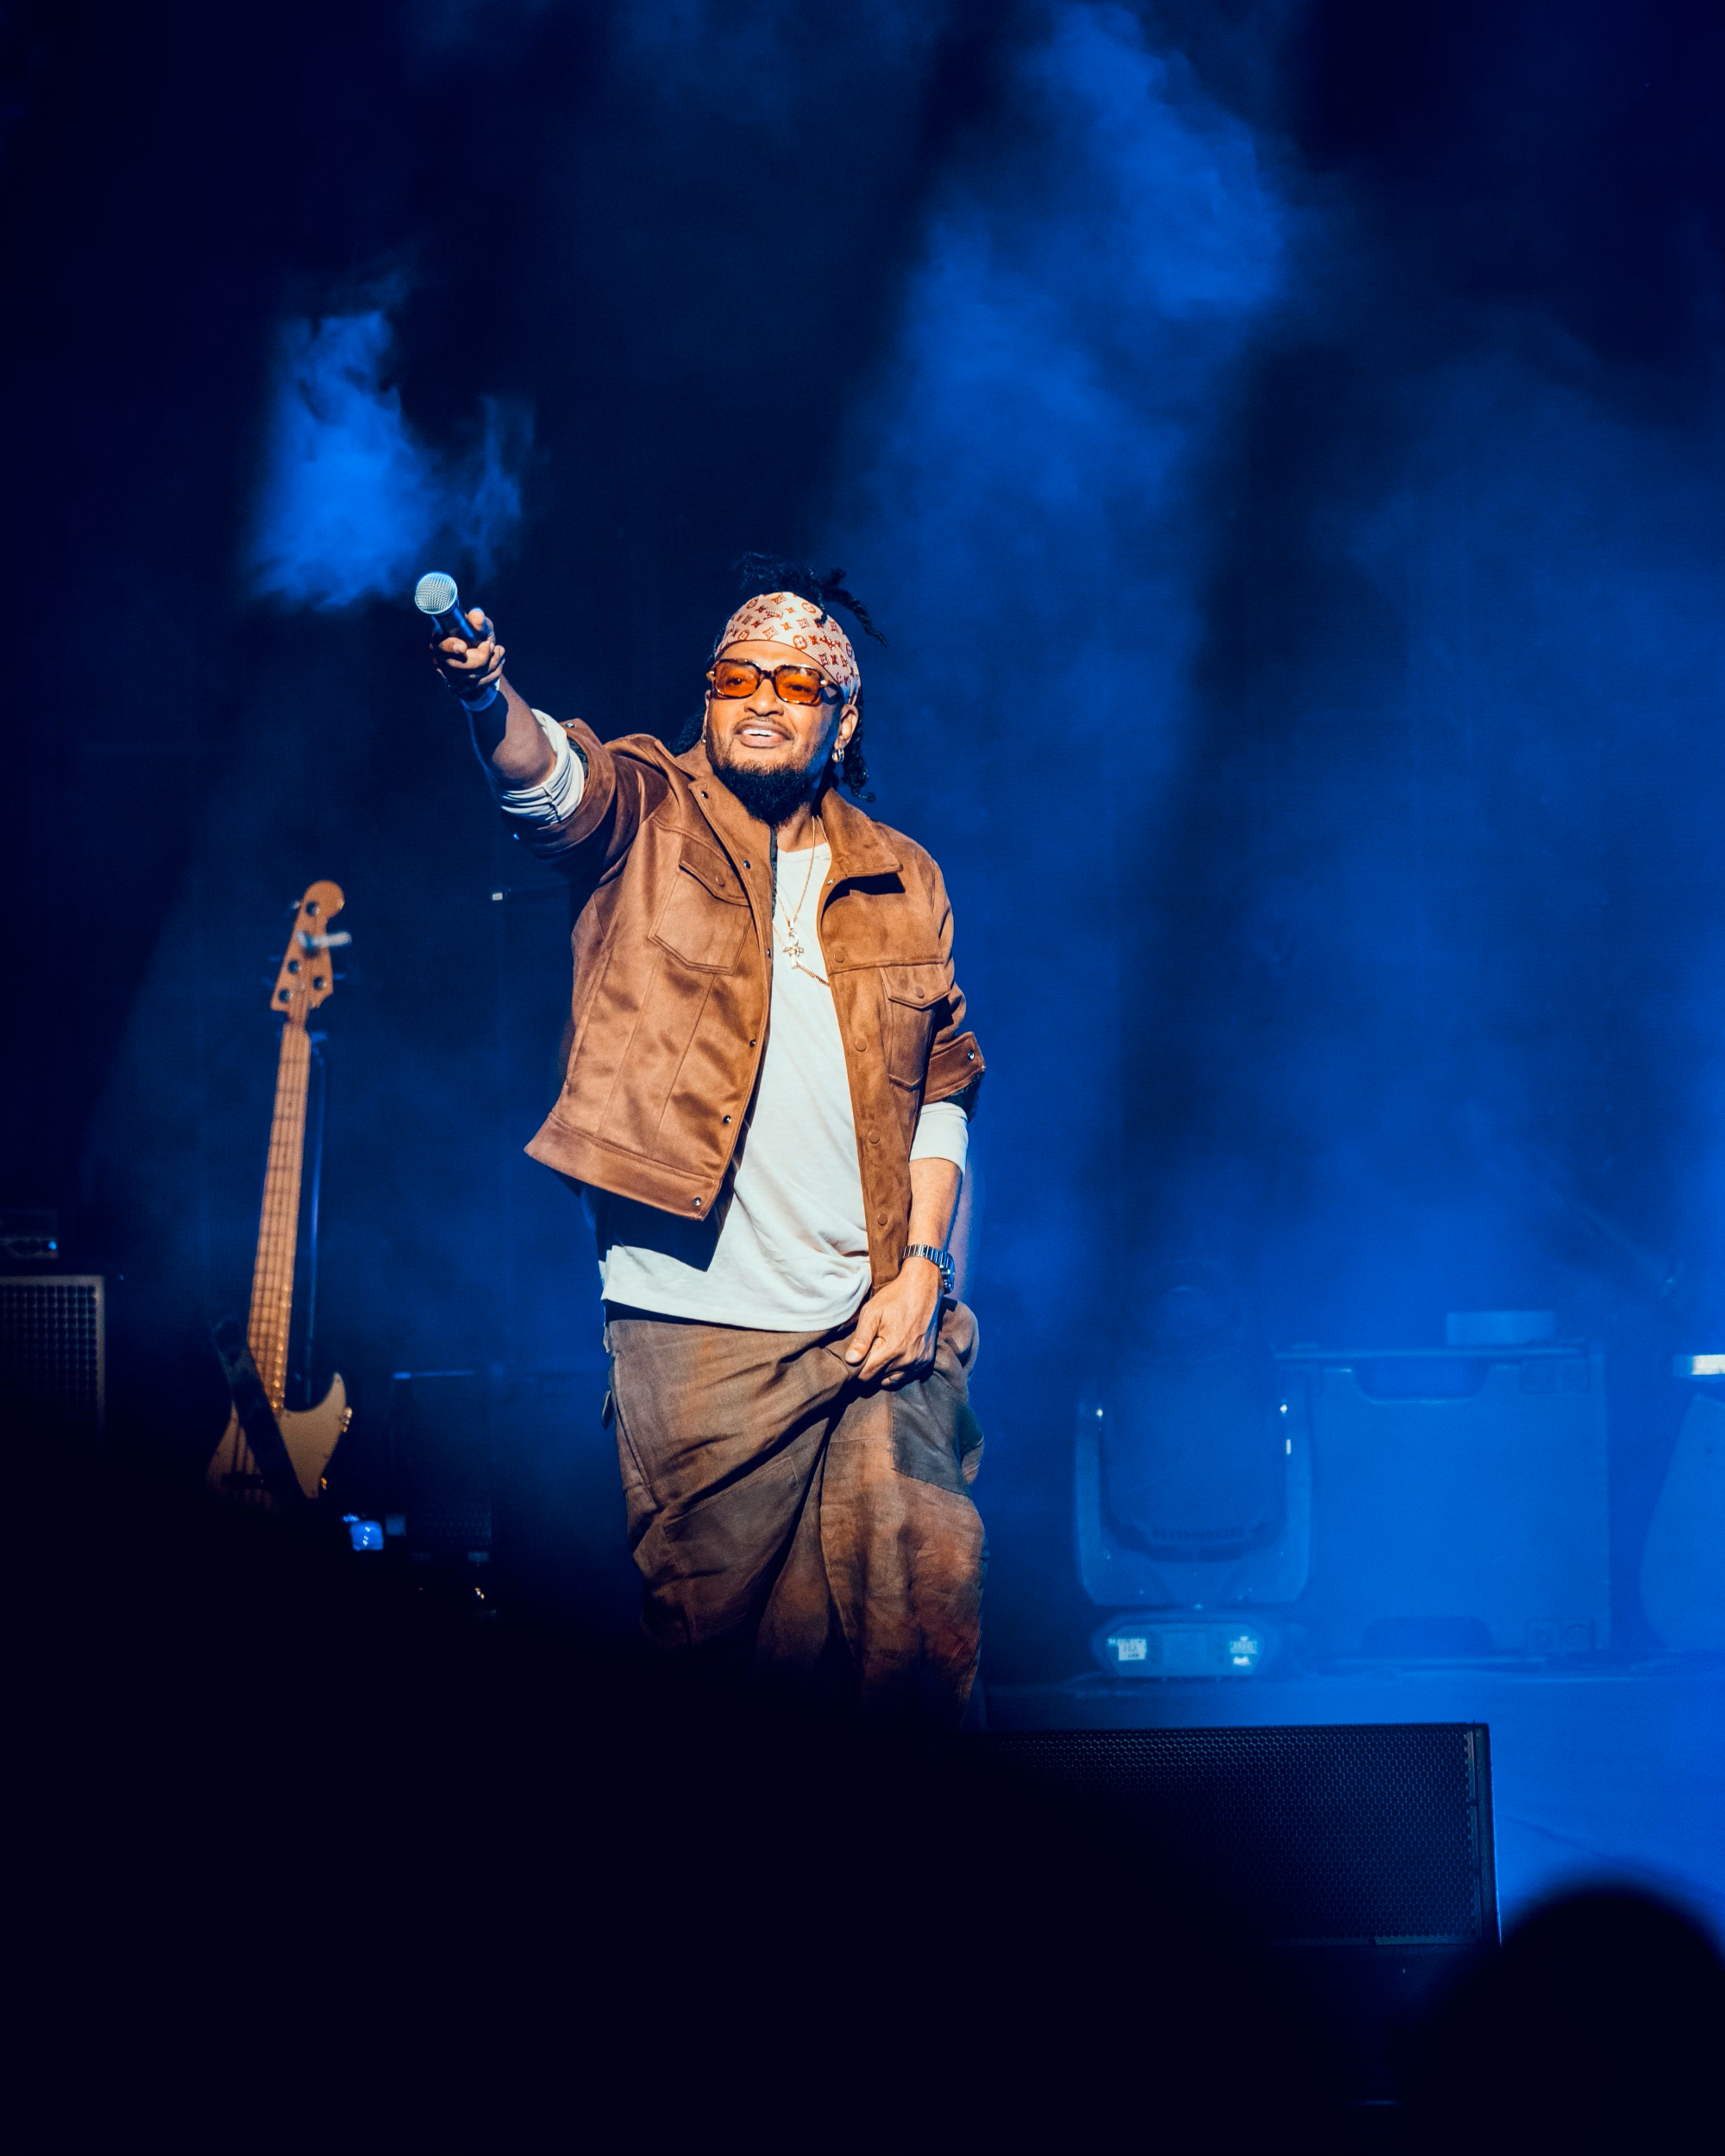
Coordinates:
<point>793,942</point>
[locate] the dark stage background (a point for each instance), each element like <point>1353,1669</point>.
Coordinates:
<point>1283,444</point>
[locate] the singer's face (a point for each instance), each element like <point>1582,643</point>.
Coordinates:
<point>762,731</point>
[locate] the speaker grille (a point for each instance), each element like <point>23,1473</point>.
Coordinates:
<point>51,1357</point>
<point>1359,1835</point>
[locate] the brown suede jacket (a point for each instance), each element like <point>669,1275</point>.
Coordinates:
<point>671,895</point>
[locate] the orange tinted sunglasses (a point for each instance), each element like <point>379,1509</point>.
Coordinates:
<point>735,678</point>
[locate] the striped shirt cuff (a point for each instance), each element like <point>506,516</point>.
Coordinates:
<point>558,794</point>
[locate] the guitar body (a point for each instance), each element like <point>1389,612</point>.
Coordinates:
<point>311,1435</point>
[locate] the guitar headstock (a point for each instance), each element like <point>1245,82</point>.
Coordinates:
<point>307,977</point>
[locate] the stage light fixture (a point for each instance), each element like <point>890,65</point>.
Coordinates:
<point>1192,1484</point>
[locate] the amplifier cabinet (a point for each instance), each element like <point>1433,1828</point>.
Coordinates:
<point>1458,1501</point>
<point>53,1357</point>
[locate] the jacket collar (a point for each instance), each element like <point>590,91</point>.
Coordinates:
<point>741,835</point>
<point>858,843</point>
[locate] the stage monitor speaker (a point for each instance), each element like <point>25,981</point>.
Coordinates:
<point>1355,1861</point>
<point>53,1357</point>
<point>1459,1499</point>
<point>1363,1834</point>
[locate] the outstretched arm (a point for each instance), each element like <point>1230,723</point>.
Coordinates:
<point>505,729</point>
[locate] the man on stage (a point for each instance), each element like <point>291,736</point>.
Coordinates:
<point>766,1103</point>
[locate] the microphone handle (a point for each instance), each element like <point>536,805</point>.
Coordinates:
<point>452,622</point>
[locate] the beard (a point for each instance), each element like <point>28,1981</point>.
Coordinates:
<point>770,792</point>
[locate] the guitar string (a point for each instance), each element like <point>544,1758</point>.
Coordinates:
<point>269,1317</point>
<point>279,1226</point>
<point>278,1230</point>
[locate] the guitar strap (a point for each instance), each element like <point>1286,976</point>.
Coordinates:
<point>257,1418</point>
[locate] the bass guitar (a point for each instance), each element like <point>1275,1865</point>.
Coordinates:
<point>311,1435</point>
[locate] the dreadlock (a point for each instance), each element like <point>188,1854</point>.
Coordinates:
<point>774,573</point>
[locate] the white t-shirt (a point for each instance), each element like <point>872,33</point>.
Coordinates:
<point>789,1253</point>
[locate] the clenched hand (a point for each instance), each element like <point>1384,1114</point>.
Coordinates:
<point>896,1330</point>
<point>467,668</point>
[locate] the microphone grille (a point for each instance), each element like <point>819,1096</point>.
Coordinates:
<point>434,593</point>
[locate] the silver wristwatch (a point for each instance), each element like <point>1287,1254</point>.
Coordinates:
<point>941,1258</point>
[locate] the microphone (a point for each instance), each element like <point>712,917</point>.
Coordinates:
<point>435,594</point>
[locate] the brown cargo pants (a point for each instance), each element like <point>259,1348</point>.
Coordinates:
<point>793,1528</point>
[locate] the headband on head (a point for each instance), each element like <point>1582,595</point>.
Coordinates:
<point>781,617</point>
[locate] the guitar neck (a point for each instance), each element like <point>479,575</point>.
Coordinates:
<point>272,1311</point>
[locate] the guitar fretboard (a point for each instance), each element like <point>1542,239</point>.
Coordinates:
<point>272,1311</point>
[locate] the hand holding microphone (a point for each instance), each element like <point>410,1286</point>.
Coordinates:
<point>464,646</point>
<point>506,733</point>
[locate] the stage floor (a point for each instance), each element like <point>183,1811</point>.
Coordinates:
<point>1599,1771</point>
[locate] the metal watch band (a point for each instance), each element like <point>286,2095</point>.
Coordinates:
<point>943,1259</point>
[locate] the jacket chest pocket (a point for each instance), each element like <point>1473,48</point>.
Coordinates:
<point>705,918</point>
<point>912,997</point>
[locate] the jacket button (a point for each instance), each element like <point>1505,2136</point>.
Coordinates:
<point>880,1219</point>
<point>970,1054</point>
<point>724,1118</point>
<point>860,1046</point>
<point>751,1043</point>
<point>873,1136</point>
<point>697,1204</point>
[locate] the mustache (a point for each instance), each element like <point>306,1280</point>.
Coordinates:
<point>721,760</point>
<point>770,792</point>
